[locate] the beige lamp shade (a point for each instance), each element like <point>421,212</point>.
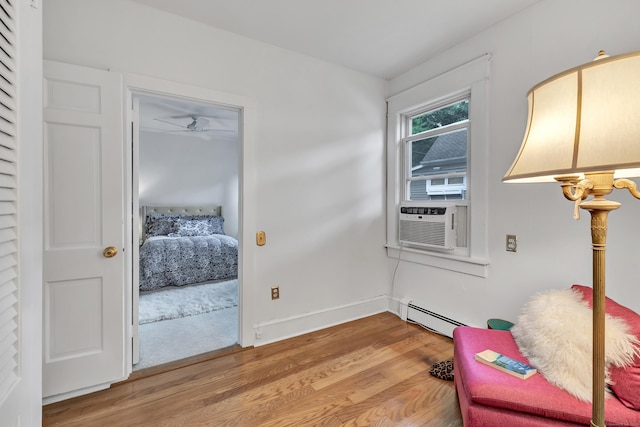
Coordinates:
<point>584,119</point>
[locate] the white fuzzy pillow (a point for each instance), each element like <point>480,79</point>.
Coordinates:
<point>554,333</point>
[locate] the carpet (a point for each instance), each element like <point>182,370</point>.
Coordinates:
<point>170,340</point>
<point>177,302</point>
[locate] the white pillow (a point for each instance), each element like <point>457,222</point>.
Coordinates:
<point>553,332</point>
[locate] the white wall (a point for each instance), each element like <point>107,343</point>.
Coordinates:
<point>319,179</point>
<point>318,150</point>
<point>554,250</point>
<point>188,170</point>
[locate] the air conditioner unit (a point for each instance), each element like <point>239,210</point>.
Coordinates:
<point>424,224</point>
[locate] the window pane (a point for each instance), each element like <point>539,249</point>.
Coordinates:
<point>440,154</point>
<point>419,150</point>
<point>441,117</point>
<point>437,157</point>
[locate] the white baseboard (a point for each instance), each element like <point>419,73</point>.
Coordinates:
<point>398,306</point>
<point>280,329</point>
<point>75,393</point>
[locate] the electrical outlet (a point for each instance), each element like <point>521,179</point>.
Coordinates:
<point>512,243</point>
<point>258,334</point>
<point>275,292</point>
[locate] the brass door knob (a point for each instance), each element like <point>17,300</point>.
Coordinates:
<point>110,252</point>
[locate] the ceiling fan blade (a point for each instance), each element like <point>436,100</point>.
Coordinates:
<point>203,135</point>
<point>201,122</point>
<point>170,123</point>
<point>200,134</point>
<point>219,130</point>
<point>200,131</point>
<point>195,116</point>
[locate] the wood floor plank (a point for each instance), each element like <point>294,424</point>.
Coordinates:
<point>392,373</point>
<point>278,393</point>
<point>372,371</point>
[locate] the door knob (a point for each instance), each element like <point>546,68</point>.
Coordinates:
<point>109,252</point>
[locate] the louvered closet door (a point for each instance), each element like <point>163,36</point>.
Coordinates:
<point>8,246</point>
<point>84,287</point>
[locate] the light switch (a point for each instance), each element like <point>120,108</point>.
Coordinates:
<point>261,238</point>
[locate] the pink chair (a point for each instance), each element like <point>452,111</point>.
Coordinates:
<point>491,398</point>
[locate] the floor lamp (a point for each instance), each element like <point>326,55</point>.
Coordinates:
<point>583,130</point>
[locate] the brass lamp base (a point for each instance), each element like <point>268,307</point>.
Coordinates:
<point>598,185</point>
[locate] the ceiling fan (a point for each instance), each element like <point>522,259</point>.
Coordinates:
<point>196,124</point>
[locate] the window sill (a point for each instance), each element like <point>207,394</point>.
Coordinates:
<point>472,266</point>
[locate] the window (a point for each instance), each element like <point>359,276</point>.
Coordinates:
<point>436,152</point>
<point>437,156</point>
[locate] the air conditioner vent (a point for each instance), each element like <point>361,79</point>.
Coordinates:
<point>426,225</point>
<point>423,232</point>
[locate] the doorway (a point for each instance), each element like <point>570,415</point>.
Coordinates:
<point>185,159</point>
<point>100,209</point>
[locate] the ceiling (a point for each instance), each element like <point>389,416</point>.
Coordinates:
<point>383,38</point>
<point>187,118</point>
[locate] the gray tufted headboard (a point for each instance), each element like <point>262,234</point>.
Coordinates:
<point>181,210</point>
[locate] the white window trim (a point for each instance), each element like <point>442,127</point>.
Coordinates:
<point>472,76</point>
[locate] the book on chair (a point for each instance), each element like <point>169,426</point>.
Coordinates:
<point>505,364</point>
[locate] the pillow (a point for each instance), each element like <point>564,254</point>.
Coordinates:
<point>625,381</point>
<point>161,224</point>
<point>204,225</point>
<point>553,332</point>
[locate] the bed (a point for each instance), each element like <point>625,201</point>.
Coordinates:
<point>183,245</point>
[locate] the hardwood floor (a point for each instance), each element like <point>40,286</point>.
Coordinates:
<point>372,371</point>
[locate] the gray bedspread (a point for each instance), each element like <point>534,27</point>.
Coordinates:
<point>178,261</point>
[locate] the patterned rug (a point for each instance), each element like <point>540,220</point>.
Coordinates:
<point>176,302</point>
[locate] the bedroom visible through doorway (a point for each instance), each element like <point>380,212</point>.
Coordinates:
<point>186,174</point>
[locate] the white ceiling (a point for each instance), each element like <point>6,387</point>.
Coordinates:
<point>383,38</point>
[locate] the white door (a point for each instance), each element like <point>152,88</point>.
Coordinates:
<point>84,284</point>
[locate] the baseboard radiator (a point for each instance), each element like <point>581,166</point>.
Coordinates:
<point>415,312</point>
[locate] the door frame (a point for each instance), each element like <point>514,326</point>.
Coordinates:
<point>136,84</point>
